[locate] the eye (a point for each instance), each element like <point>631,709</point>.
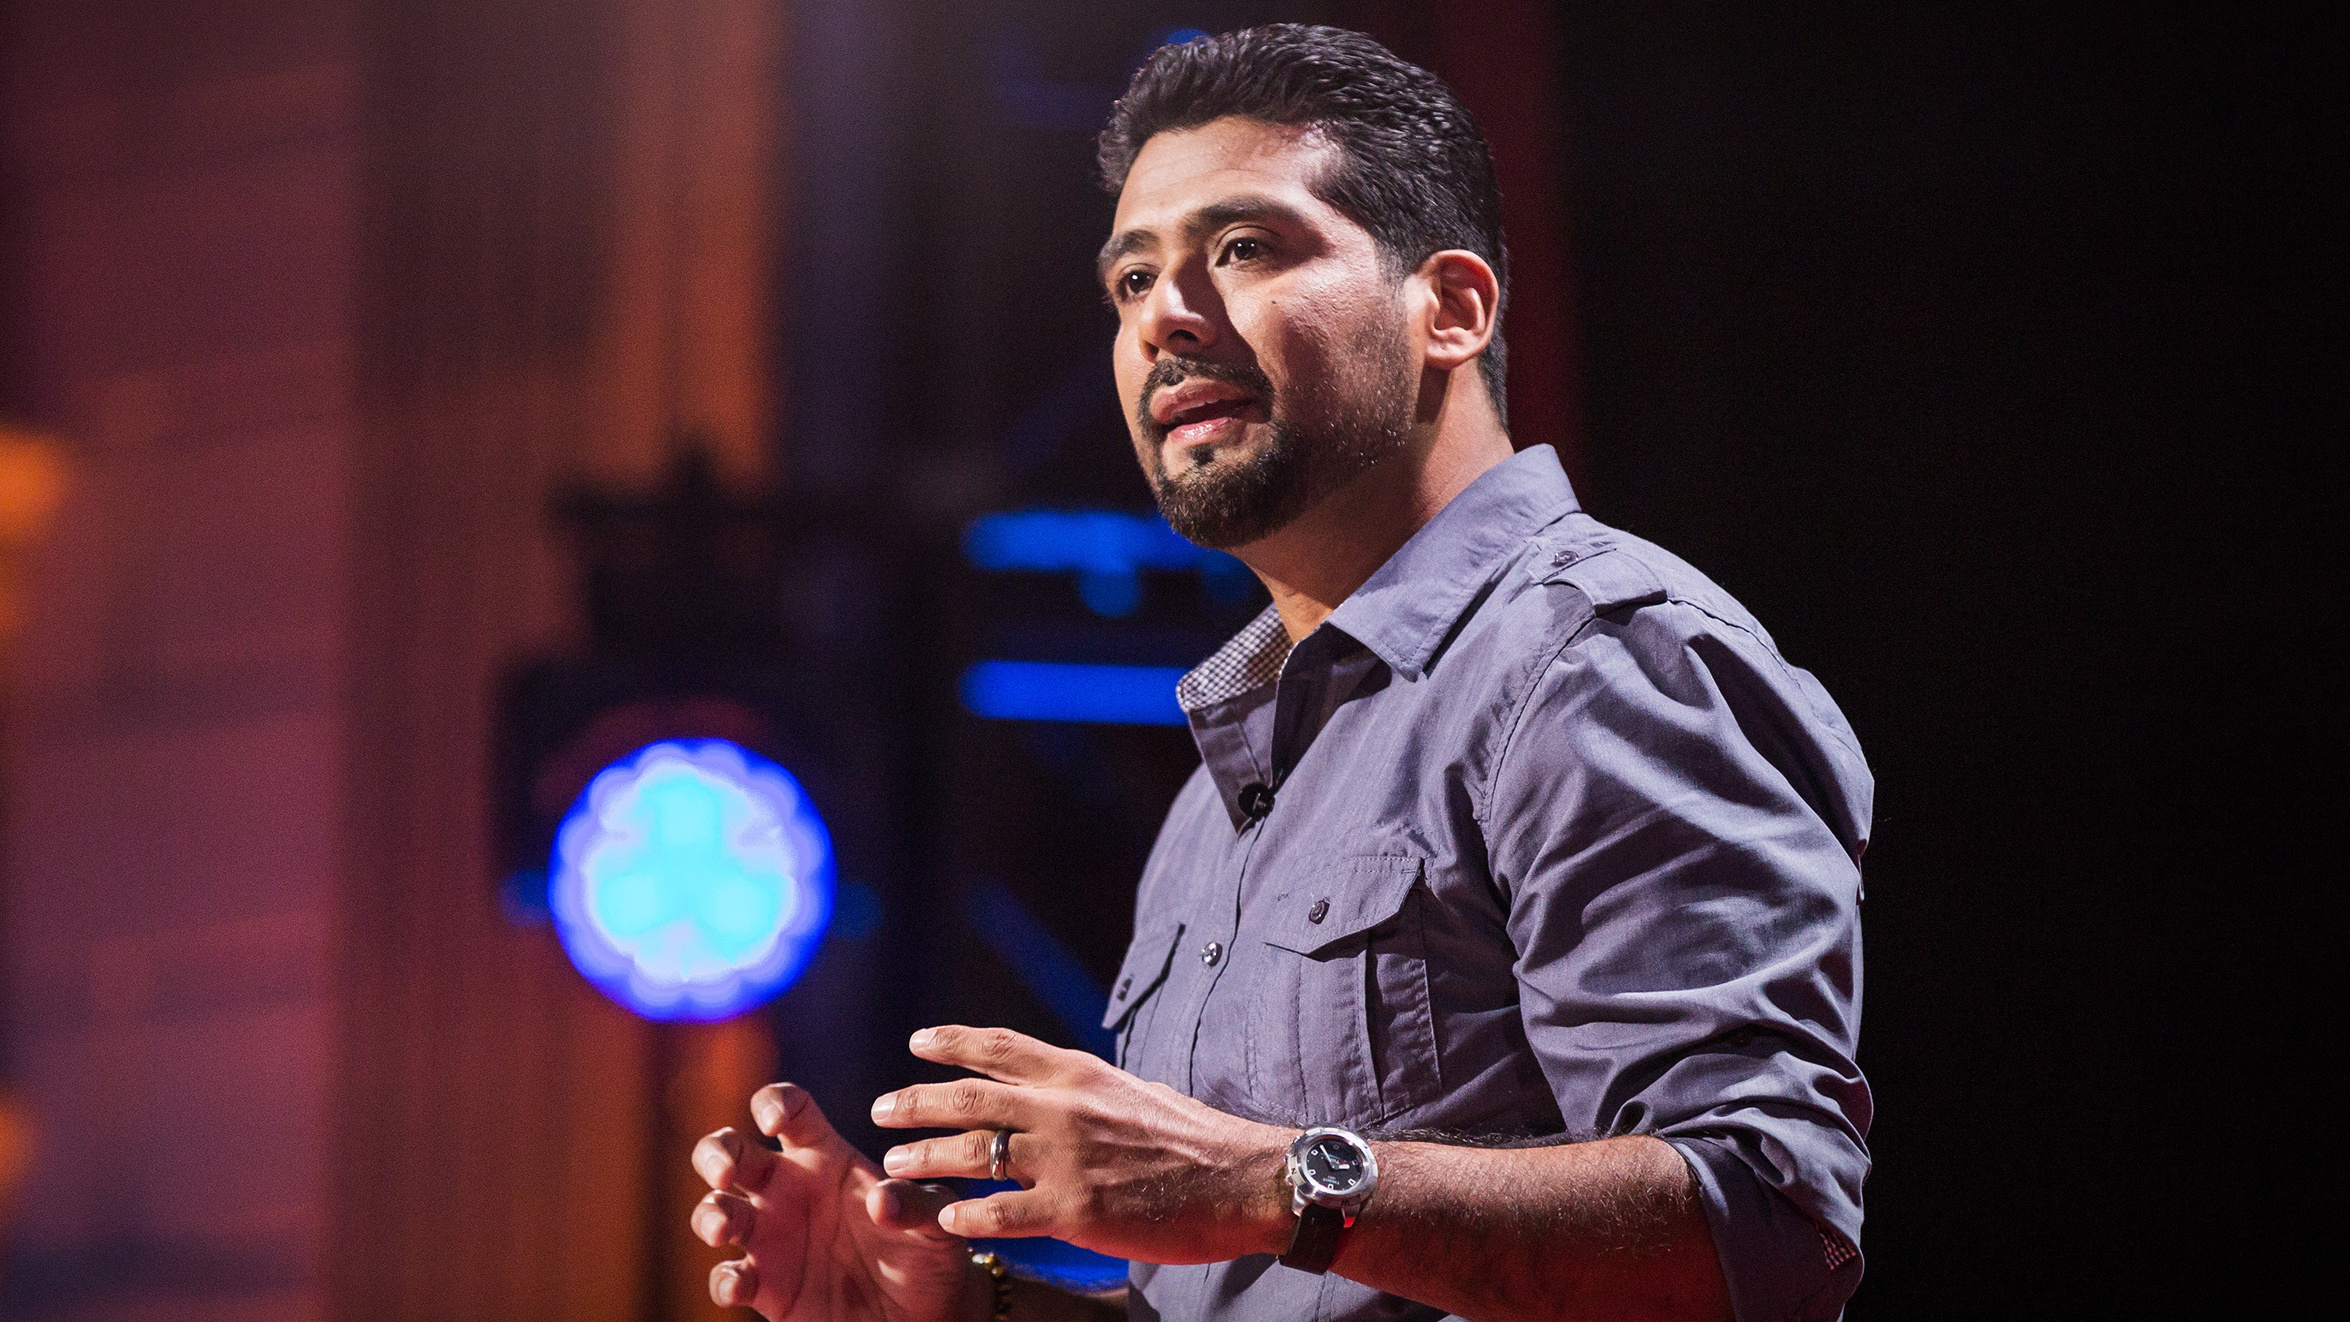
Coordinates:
<point>1244,249</point>
<point>1131,284</point>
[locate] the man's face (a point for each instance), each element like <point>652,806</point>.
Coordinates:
<point>1261,351</point>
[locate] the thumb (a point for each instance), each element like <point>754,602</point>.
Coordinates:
<point>911,1208</point>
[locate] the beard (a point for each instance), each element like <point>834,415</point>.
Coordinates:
<point>1320,436</point>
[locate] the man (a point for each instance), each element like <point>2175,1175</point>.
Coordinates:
<point>1502,957</point>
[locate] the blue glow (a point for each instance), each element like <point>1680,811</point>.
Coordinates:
<point>1106,549</point>
<point>1053,541</point>
<point>691,880</point>
<point>1045,691</point>
<point>1054,1261</point>
<point>1114,595</point>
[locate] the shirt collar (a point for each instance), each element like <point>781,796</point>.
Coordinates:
<point>1249,658</point>
<point>1405,610</point>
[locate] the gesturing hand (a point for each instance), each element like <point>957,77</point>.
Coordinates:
<point>1105,1160</point>
<point>829,1237</point>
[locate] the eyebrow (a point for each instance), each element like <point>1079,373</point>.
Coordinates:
<point>1213,216</point>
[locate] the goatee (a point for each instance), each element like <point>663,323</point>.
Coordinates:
<point>1319,438</point>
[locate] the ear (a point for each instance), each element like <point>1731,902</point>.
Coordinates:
<point>1464,309</point>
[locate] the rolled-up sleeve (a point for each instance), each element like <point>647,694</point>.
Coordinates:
<point>1676,818</point>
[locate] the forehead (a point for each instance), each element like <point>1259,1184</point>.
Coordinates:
<point>1179,171</point>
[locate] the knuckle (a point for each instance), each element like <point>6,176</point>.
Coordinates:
<point>964,1099</point>
<point>996,1045</point>
<point>978,1147</point>
<point>736,1213</point>
<point>714,1159</point>
<point>732,1283</point>
<point>775,1104</point>
<point>1022,1214</point>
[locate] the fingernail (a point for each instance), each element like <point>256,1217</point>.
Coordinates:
<point>896,1160</point>
<point>893,1204</point>
<point>883,1105</point>
<point>922,1039</point>
<point>946,1217</point>
<point>768,1112</point>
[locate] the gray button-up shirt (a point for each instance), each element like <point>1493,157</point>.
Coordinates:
<point>1558,845</point>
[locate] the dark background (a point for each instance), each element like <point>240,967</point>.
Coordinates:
<point>1985,354</point>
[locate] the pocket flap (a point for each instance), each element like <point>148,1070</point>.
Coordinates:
<point>1147,961</point>
<point>1343,898</point>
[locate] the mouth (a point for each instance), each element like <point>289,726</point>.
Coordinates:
<point>1211,422</point>
<point>1204,412</point>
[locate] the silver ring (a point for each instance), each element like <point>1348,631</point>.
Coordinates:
<point>999,1156</point>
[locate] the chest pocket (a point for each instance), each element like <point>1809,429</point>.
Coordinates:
<point>1339,1029</point>
<point>1133,996</point>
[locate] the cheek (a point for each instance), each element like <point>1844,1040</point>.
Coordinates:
<point>1128,371</point>
<point>1296,345</point>
<point>1127,367</point>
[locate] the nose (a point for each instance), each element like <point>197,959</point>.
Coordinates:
<point>1177,315</point>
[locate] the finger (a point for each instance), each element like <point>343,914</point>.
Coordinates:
<point>963,1104</point>
<point>999,1216</point>
<point>733,1283</point>
<point>966,1156</point>
<point>789,1114</point>
<point>730,1159</point>
<point>906,1206</point>
<point>998,1053</point>
<point>723,1218</point>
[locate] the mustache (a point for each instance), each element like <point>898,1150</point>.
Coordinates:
<point>1171,370</point>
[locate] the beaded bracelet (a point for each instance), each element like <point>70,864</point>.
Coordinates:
<point>999,1278</point>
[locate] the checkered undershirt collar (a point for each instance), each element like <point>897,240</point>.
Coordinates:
<point>1250,658</point>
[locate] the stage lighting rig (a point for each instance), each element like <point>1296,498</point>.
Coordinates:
<point>644,804</point>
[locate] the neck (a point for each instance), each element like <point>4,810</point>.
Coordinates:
<point>1319,558</point>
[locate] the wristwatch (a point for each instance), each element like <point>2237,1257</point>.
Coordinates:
<point>1331,1175</point>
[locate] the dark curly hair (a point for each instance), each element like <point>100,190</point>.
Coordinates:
<point>1413,168</point>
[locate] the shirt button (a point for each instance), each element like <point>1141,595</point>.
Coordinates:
<point>1256,800</point>
<point>1211,952</point>
<point>1125,985</point>
<point>1320,911</point>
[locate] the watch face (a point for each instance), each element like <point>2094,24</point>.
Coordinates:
<point>1334,1164</point>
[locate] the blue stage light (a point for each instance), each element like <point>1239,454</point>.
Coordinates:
<point>691,880</point>
<point>1114,595</point>
<point>1082,540</point>
<point>1106,549</point>
<point>1045,691</point>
